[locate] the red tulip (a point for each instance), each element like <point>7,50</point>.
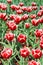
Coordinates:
<point>12,16</point>
<point>41,7</point>
<point>41,43</point>
<point>25,17</point>
<point>24,52</point>
<point>9,36</point>
<point>33,63</point>
<point>6,17</point>
<point>19,11</point>
<point>3,15</point>
<point>41,38</point>
<point>40,13</point>
<point>38,32</point>
<point>17,19</point>
<point>0,5</point>
<point>29,9</point>
<point>33,4</point>
<point>6,53</point>
<point>12,26</point>
<point>35,22</point>
<point>27,25</point>
<point>21,38</point>
<point>13,7</point>
<point>34,7</point>
<point>37,53</point>
<point>24,8</point>
<point>9,1</point>
<point>21,4</point>
<point>33,16</point>
<point>41,19</point>
<point>3,6</point>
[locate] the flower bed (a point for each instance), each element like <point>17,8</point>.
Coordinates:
<point>21,33</point>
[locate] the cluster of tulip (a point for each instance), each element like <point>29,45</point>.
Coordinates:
<point>19,21</point>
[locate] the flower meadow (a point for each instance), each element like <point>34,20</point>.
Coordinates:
<point>21,32</point>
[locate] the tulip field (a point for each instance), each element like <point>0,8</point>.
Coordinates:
<point>21,32</point>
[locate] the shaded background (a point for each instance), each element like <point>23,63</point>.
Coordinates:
<point>26,2</point>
